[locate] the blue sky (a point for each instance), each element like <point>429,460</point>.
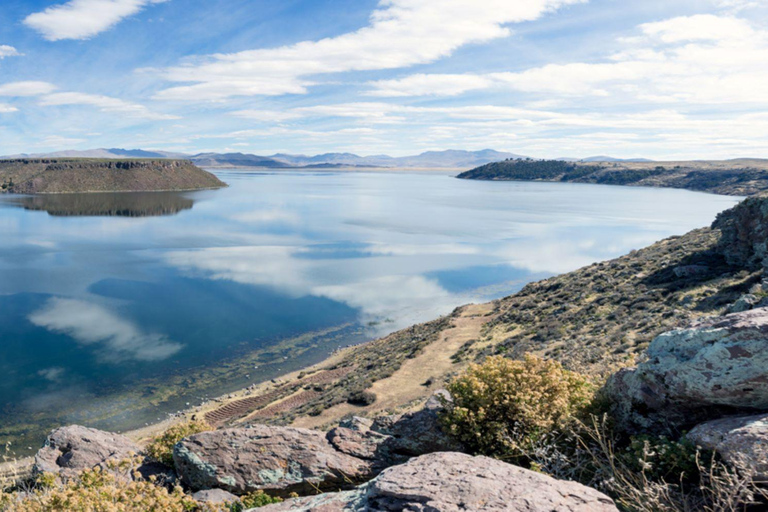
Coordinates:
<point>547,78</point>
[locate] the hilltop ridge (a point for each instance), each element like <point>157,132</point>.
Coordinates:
<point>64,176</point>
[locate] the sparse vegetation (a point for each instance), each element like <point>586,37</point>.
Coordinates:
<point>97,490</point>
<point>255,500</point>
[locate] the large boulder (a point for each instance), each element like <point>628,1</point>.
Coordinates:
<point>70,450</point>
<point>741,441</point>
<point>280,460</point>
<point>415,433</point>
<point>450,482</point>
<point>393,439</point>
<point>714,368</point>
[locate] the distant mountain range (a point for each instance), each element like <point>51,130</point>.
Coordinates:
<point>449,159</point>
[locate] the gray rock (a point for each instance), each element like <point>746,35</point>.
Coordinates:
<point>741,441</point>
<point>357,423</point>
<point>276,459</point>
<point>715,367</point>
<point>217,496</point>
<point>363,445</point>
<point>70,450</point>
<point>415,433</point>
<point>744,303</point>
<point>453,482</point>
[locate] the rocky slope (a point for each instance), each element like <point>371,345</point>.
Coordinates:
<point>732,177</point>
<point>63,176</point>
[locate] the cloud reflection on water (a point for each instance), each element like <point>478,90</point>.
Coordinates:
<point>90,324</point>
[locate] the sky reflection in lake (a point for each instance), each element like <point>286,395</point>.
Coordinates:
<point>95,306</point>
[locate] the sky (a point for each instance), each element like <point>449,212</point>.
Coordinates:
<point>662,79</point>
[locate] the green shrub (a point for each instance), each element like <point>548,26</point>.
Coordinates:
<point>664,459</point>
<point>503,407</point>
<point>255,500</point>
<point>362,398</point>
<point>161,447</point>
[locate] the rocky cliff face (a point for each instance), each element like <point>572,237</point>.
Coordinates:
<point>744,228</point>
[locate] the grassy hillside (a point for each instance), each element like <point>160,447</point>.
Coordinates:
<point>731,177</point>
<point>59,176</point>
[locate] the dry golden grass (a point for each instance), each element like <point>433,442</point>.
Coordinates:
<point>406,385</point>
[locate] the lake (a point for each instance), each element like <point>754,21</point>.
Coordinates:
<point>116,309</point>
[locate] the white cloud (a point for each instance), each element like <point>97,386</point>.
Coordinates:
<point>702,59</point>
<point>105,104</point>
<point>266,115</point>
<point>93,325</point>
<point>8,51</point>
<point>431,85</point>
<point>22,89</point>
<point>7,109</point>
<point>83,19</point>
<point>401,33</point>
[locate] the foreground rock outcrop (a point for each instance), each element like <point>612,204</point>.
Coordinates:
<point>70,450</point>
<point>741,441</point>
<point>449,481</point>
<point>280,460</point>
<point>715,367</point>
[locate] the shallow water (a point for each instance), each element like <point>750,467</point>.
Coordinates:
<point>113,307</point>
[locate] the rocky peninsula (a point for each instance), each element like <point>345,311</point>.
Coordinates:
<point>70,176</point>
<point>740,177</point>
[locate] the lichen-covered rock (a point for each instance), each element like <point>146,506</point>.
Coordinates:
<point>276,459</point>
<point>715,367</point>
<point>740,440</point>
<point>70,450</point>
<point>449,482</point>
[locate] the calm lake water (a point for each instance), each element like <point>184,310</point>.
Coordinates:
<point>116,309</point>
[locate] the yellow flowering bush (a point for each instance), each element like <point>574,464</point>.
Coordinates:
<point>161,447</point>
<point>503,407</point>
<point>96,490</point>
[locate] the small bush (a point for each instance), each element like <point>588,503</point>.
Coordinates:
<point>255,500</point>
<point>664,459</point>
<point>502,407</point>
<point>362,398</point>
<point>161,447</point>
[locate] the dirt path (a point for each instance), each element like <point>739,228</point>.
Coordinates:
<point>407,384</point>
